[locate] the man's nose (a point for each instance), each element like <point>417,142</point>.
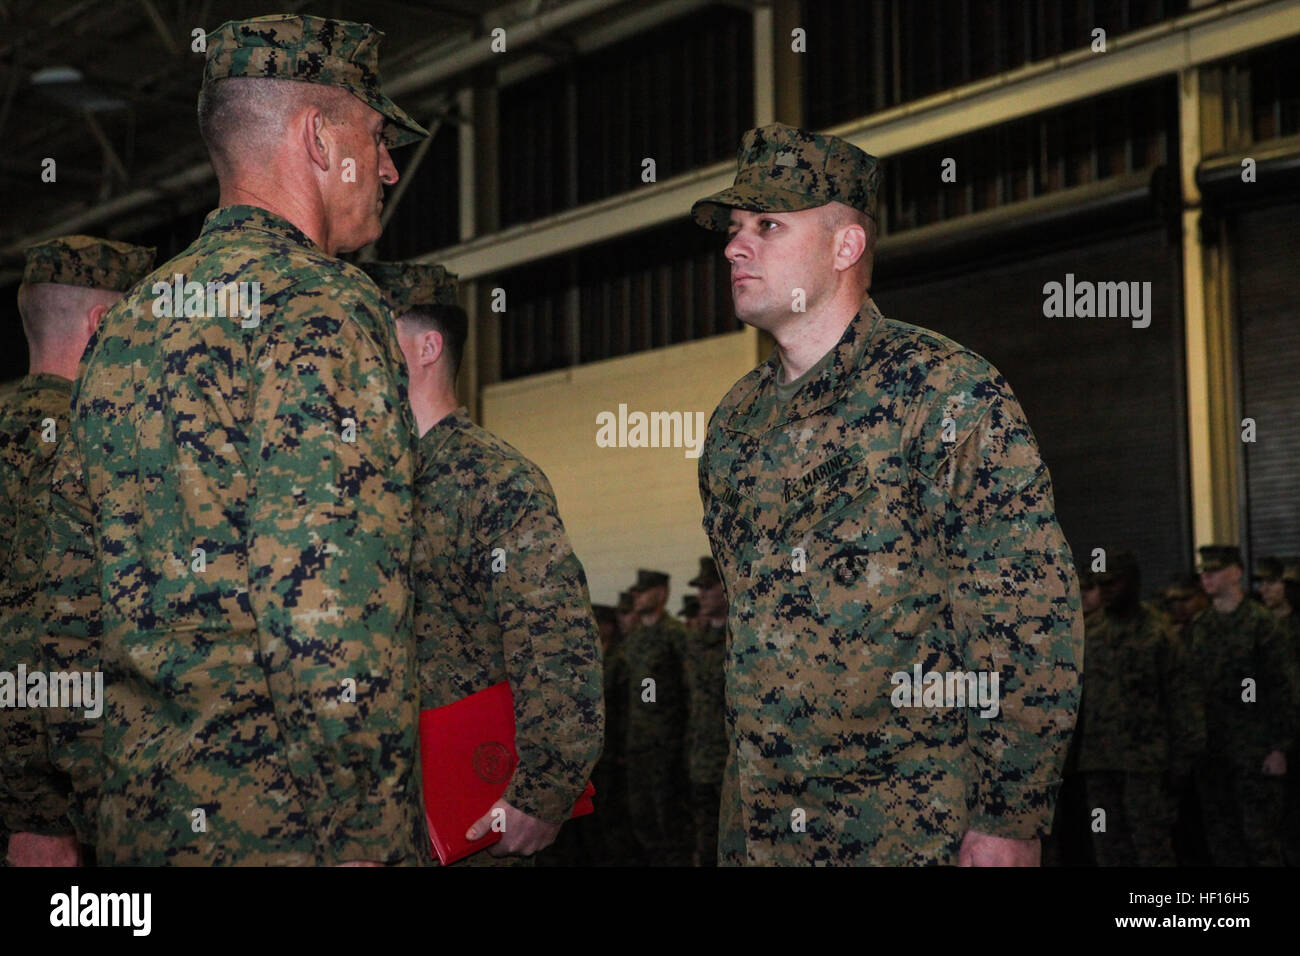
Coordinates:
<point>387,171</point>
<point>737,247</point>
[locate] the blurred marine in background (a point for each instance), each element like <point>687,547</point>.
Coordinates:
<point>69,283</point>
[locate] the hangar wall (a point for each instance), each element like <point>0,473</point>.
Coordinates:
<point>624,508</point>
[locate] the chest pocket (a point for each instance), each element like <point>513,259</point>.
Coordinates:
<point>854,543</point>
<point>732,527</point>
<point>839,489</point>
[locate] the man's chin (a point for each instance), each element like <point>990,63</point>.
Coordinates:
<point>761,319</point>
<point>358,241</point>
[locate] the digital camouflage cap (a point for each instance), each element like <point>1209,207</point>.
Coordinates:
<point>406,285</point>
<point>1268,569</point>
<point>1121,564</point>
<point>1216,557</point>
<point>645,580</point>
<point>309,50</point>
<point>708,575</point>
<point>1291,570</point>
<point>783,169</point>
<point>89,262</point>
<point>1183,587</point>
<point>604,614</point>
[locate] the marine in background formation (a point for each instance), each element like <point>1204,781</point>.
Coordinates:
<point>706,655</point>
<point>68,284</point>
<point>658,710</point>
<point>1279,591</point>
<point>1142,724</point>
<point>1247,678</point>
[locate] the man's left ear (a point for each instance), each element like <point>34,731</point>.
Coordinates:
<point>430,346</point>
<point>851,246</point>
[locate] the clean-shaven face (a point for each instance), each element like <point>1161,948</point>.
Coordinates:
<point>713,600</point>
<point>355,221</point>
<point>1220,583</point>
<point>773,254</point>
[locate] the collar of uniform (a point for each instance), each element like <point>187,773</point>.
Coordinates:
<point>243,218</point>
<point>39,380</point>
<point>440,432</point>
<point>758,413</point>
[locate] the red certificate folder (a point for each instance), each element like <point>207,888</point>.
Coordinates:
<point>467,753</point>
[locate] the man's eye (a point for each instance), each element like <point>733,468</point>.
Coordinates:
<point>764,223</point>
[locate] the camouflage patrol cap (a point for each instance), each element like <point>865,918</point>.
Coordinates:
<point>310,50</point>
<point>1120,564</point>
<point>1216,557</point>
<point>88,262</point>
<point>406,285</point>
<point>1291,570</point>
<point>626,600</point>
<point>690,606</point>
<point>604,614</point>
<point>645,580</point>
<point>1183,587</point>
<point>708,575</point>
<point>1268,569</point>
<point>783,169</point>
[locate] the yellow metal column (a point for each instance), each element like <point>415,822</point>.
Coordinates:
<point>1213,395</point>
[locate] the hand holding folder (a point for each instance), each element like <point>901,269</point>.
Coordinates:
<point>467,752</point>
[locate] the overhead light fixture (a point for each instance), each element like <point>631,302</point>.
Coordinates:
<point>66,85</point>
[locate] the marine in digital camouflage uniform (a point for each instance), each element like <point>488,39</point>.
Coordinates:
<point>658,785</point>
<point>242,577</point>
<point>706,655</point>
<point>1270,573</point>
<point>619,846</point>
<point>627,616</point>
<point>1287,611</point>
<point>68,284</point>
<point>1142,722</point>
<point>601,839</point>
<point>499,593</point>
<point>1240,780</point>
<point>690,612</point>
<point>887,509</point>
<point>1183,599</point>
<point>1068,842</point>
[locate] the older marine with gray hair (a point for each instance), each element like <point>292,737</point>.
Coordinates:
<point>242,579</point>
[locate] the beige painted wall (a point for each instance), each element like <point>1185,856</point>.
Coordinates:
<point>624,508</point>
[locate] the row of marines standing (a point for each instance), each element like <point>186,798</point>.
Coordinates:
<point>665,739</point>
<point>1188,718</point>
